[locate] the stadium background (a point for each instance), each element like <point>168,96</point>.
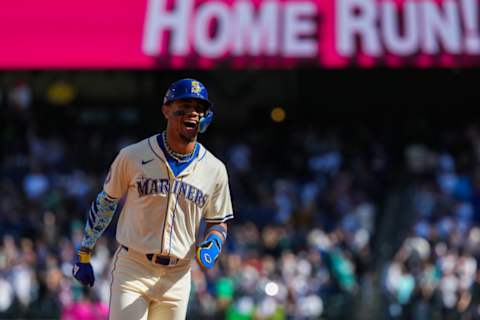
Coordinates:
<point>356,191</point>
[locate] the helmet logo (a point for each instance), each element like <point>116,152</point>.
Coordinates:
<point>196,87</point>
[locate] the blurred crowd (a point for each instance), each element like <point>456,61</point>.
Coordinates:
<point>435,274</point>
<point>302,246</point>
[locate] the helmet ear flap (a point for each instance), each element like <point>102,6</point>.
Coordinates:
<point>205,121</point>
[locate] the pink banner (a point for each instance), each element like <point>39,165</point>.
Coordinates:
<point>147,34</point>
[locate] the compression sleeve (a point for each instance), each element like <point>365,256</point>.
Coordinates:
<point>99,217</point>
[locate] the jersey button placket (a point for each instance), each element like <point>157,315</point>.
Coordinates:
<point>168,216</point>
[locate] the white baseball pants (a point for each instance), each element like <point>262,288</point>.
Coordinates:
<point>142,290</point>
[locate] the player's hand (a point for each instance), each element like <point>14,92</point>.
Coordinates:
<point>82,270</point>
<point>208,252</point>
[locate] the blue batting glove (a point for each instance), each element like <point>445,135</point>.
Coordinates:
<point>82,270</point>
<point>208,251</point>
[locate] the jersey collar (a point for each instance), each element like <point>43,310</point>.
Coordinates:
<point>153,143</point>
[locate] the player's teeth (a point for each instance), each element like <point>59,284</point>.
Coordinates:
<point>190,124</point>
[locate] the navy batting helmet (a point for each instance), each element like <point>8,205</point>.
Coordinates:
<point>191,89</point>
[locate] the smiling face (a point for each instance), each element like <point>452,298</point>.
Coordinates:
<point>183,117</point>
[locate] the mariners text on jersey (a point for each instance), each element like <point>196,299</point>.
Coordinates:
<point>149,186</point>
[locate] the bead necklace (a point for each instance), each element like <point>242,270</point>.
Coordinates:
<point>180,157</point>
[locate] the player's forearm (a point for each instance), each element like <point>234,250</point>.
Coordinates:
<point>99,217</point>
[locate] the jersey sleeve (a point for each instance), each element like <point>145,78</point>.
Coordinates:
<point>220,205</point>
<point>118,177</point>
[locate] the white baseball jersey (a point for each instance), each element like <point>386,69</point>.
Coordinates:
<point>162,213</point>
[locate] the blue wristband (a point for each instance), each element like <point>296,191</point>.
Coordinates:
<point>220,229</point>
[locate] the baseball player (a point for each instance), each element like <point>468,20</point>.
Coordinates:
<point>170,183</point>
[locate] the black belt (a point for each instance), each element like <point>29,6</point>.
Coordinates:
<point>159,259</point>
